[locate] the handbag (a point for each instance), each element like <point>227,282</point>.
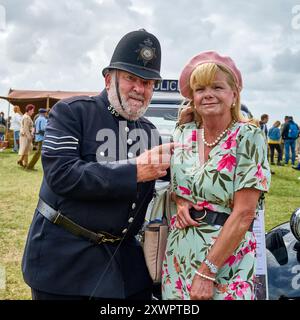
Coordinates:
<point>157,229</point>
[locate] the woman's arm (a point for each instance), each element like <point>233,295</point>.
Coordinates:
<point>231,235</point>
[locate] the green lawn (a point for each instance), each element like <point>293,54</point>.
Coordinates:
<point>18,197</point>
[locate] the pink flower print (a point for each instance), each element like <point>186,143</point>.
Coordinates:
<point>228,161</point>
<point>205,204</point>
<point>173,222</point>
<point>252,245</point>
<point>229,297</point>
<point>246,250</point>
<point>234,258</point>
<point>185,191</point>
<point>231,140</point>
<point>188,287</point>
<point>239,287</point>
<point>193,136</point>
<point>259,174</point>
<point>230,260</point>
<point>178,284</point>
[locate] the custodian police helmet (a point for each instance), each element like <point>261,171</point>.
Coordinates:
<point>139,53</point>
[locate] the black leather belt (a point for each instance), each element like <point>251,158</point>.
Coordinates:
<point>56,217</point>
<point>212,217</point>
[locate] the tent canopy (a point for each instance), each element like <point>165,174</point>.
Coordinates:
<point>41,99</point>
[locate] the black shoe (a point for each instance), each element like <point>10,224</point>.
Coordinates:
<point>280,164</point>
<point>296,168</point>
<point>273,163</point>
<point>272,172</point>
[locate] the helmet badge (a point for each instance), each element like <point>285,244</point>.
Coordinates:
<point>146,51</point>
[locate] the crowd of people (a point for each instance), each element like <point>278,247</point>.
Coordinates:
<point>28,133</point>
<point>284,138</point>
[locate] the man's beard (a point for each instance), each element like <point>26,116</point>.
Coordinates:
<point>130,111</point>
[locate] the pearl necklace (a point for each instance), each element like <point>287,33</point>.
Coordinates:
<point>112,110</point>
<point>220,136</point>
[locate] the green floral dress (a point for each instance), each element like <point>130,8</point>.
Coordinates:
<point>238,161</point>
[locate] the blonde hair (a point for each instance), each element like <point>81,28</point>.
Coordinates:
<point>255,122</point>
<point>276,124</point>
<point>204,75</point>
<point>17,110</point>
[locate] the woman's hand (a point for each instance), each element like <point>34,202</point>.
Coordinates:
<point>183,218</point>
<point>202,289</point>
<point>186,115</point>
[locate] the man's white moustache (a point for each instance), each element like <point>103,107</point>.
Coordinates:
<point>134,96</point>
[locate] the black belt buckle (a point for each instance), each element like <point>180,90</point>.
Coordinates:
<point>100,238</point>
<point>195,215</point>
<point>104,237</point>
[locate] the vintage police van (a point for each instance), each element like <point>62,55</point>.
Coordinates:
<point>164,106</point>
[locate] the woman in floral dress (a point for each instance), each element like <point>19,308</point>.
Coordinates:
<point>221,173</point>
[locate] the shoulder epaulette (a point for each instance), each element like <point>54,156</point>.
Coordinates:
<point>77,98</point>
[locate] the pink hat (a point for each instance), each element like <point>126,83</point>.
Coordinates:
<point>207,57</point>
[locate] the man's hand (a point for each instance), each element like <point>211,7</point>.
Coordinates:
<point>186,115</point>
<point>153,164</point>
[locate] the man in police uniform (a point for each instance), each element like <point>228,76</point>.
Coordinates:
<point>97,184</point>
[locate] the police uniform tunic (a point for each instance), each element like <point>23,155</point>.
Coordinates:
<point>98,195</point>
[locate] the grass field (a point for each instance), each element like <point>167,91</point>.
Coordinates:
<point>18,197</point>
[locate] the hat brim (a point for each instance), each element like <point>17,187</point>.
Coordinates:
<point>141,72</point>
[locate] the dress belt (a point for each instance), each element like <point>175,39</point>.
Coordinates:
<point>212,217</point>
<point>56,217</point>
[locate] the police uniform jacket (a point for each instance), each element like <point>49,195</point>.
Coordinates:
<point>97,194</point>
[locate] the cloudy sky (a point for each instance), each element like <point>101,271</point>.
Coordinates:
<point>64,44</point>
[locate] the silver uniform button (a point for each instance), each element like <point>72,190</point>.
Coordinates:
<point>126,129</point>
<point>124,231</point>
<point>133,206</point>
<point>129,141</point>
<point>130,155</point>
<point>130,220</point>
<point>102,154</point>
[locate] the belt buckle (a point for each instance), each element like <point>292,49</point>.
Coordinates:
<point>201,218</point>
<point>104,239</point>
<point>100,238</point>
<point>57,217</point>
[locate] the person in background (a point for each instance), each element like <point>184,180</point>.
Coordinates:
<point>290,134</point>
<point>263,124</point>
<point>218,180</point>
<point>282,127</point>
<point>274,143</point>
<point>2,126</point>
<point>26,136</point>
<point>16,126</point>
<point>40,127</point>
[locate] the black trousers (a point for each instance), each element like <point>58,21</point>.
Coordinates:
<point>41,295</point>
<point>272,151</point>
